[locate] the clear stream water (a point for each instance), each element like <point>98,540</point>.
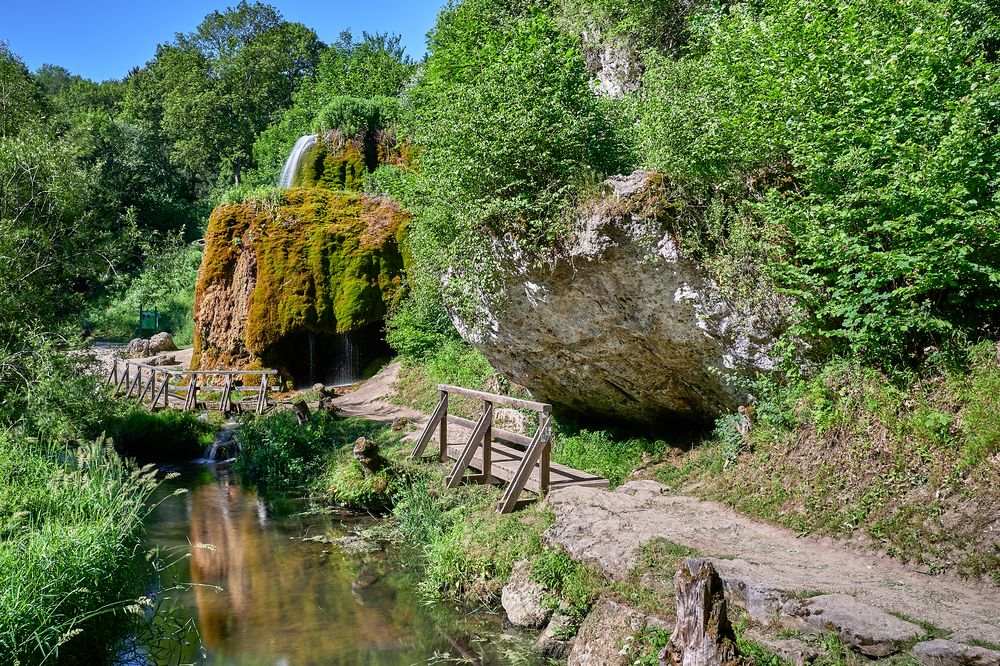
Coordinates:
<point>259,594</point>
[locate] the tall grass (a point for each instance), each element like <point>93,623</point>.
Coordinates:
<point>70,575</point>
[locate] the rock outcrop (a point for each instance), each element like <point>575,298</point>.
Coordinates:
<point>622,323</point>
<point>866,629</point>
<point>941,652</point>
<point>606,632</point>
<point>301,286</point>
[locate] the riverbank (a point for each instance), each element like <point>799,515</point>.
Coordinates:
<point>71,570</point>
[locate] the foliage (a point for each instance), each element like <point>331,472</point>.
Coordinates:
<point>275,450</point>
<point>212,91</point>
<point>508,133</point>
<point>468,548</point>
<point>575,585</point>
<point>603,453</point>
<point>866,172</point>
<point>164,436</point>
<point>166,282</point>
<point>21,100</point>
<point>354,88</point>
<point>69,576</point>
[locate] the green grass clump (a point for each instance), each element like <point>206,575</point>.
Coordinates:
<point>601,452</point>
<point>69,537</point>
<point>276,450</point>
<point>168,435</point>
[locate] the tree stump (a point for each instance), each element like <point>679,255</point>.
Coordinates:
<point>366,452</point>
<point>703,635</point>
<point>301,412</point>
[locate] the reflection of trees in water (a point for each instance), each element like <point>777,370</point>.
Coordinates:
<point>279,599</point>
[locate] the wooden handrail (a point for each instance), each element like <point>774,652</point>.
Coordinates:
<point>483,433</point>
<point>132,380</point>
<point>540,407</point>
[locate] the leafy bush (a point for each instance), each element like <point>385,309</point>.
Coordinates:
<point>866,172</point>
<point>275,450</point>
<point>166,282</point>
<point>164,436</point>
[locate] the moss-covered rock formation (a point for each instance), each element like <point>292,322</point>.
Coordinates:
<point>340,162</point>
<point>278,279</point>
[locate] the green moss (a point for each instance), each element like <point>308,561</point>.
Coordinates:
<point>326,262</point>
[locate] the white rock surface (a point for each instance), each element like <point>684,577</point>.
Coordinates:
<point>523,598</point>
<point>621,324</point>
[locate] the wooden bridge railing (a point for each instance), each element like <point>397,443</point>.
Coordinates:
<point>537,452</point>
<point>132,378</point>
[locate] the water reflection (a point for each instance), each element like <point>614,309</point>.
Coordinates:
<point>263,596</point>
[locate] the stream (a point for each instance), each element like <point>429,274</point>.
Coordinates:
<point>242,587</point>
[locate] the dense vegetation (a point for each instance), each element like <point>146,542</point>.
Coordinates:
<point>844,155</point>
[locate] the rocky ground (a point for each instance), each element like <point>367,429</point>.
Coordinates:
<point>789,584</point>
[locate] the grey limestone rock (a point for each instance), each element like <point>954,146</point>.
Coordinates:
<point>866,629</point>
<point>604,634</point>
<point>941,652</point>
<point>621,322</point>
<point>523,598</point>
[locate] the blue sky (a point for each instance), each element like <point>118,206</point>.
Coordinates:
<point>105,39</point>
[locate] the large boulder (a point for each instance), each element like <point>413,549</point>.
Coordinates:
<point>622,323</point>
<point>161,342</point>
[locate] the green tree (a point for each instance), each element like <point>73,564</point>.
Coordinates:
<point>211,92</point>
<point>21,100</point>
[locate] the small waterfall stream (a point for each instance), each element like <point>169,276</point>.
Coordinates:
<point>348,364</point>
<point>292,163</point>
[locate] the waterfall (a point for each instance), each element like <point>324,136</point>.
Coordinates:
<point>347,369</point>
<point>292,163</point>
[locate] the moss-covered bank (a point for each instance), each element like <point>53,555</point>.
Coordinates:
<point>317,262</point>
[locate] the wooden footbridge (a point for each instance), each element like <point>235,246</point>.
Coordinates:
<point>190,390</point>
<point>489,455</point>
<point>523,462</point>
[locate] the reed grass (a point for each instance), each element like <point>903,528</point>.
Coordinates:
<point>71,570</point>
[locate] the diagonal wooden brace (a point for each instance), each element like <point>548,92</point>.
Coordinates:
<point>440,412</point>
<point>538,446</point>
<point>475,441</point>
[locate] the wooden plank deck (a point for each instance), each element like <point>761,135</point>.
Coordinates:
<point>506,460</point>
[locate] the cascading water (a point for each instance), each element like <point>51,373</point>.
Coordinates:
<point>292,163</point>
<point>348,360</point>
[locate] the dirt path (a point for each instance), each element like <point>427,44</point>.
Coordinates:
<point>608,529</point>
<point>370,400</point>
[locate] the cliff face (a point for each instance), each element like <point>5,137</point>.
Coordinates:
<point>276,279</point>
<point>622,324</point>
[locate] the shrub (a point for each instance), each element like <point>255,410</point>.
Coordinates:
<point>865,172</point>
<point>164,436</point>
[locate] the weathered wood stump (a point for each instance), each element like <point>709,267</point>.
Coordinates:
<point>703,635</point>
<point>366,452</point>
<point>301,410</point>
